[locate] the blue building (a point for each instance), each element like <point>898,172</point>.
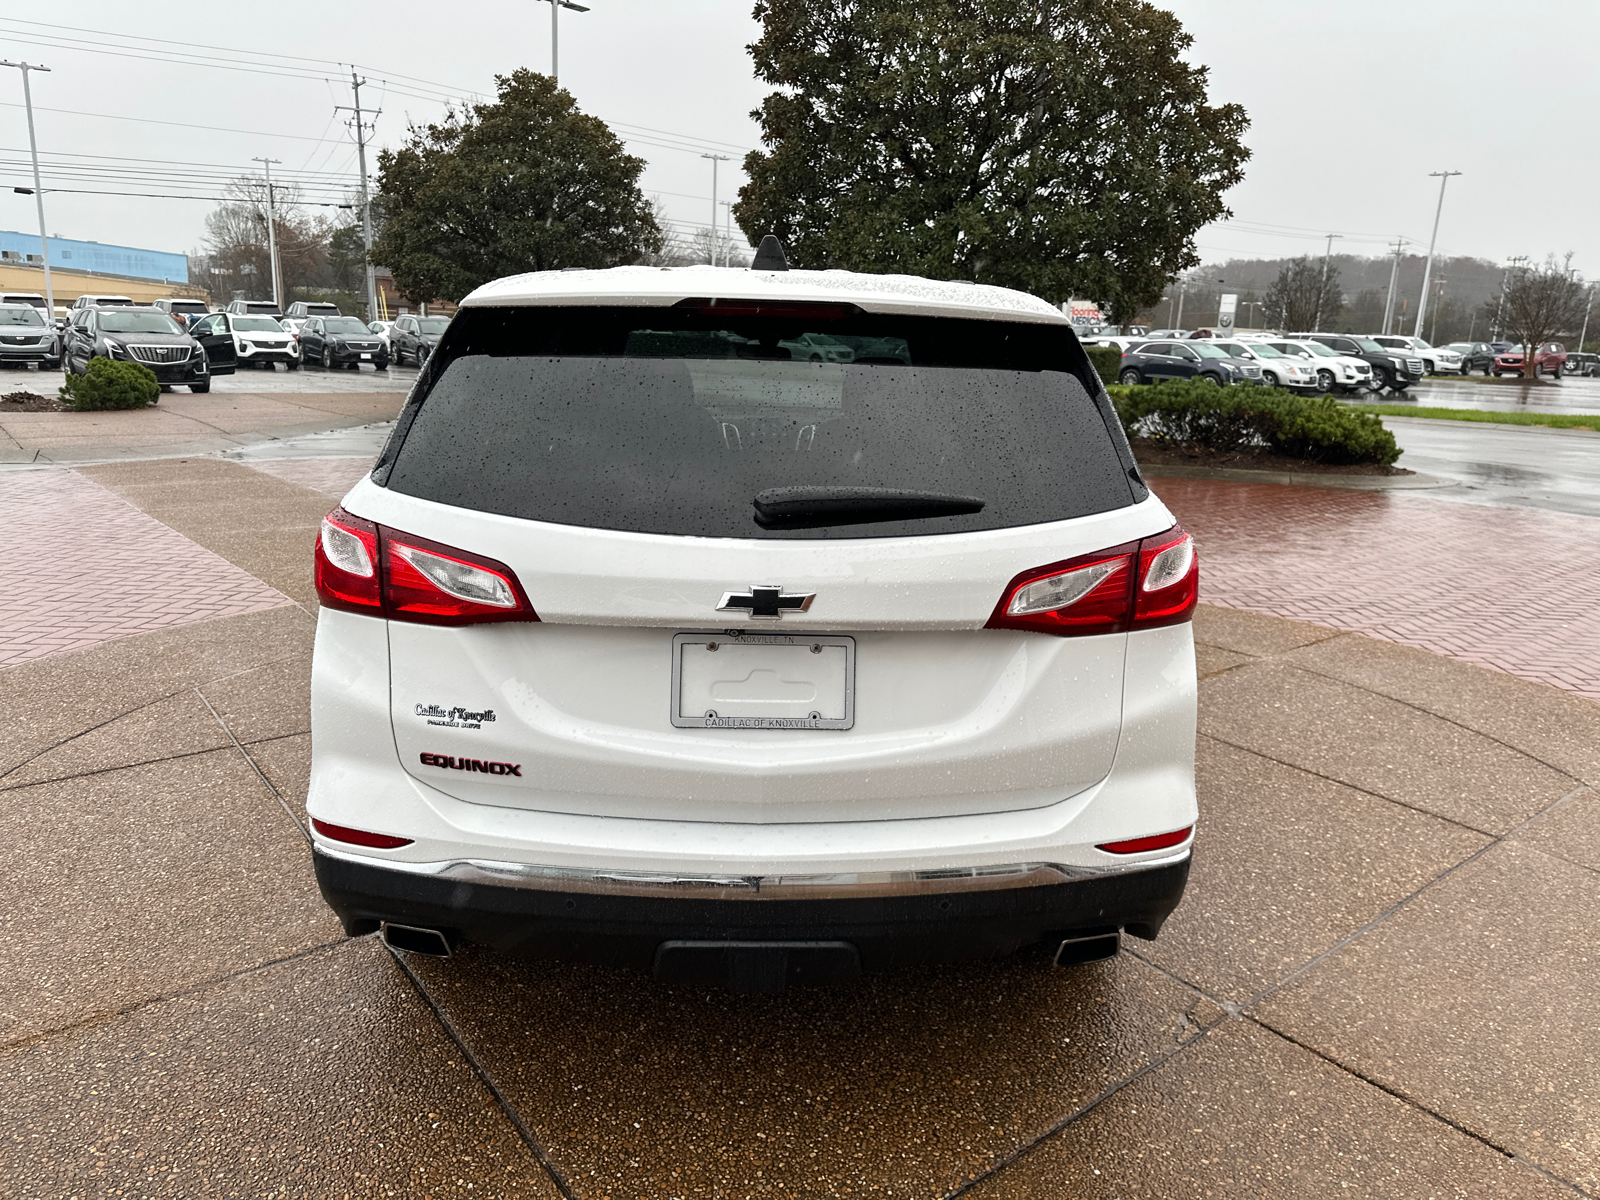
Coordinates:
<point>68,255</point>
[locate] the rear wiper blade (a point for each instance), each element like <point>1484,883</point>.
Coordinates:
<point>811,507</point>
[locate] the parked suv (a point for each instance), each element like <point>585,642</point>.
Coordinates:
<point>245,340</point>
<point>1549,358</point>
<point>1436,360</point>
<point>102,301</point>
<point>1390,369</point>
<point>301,309</point>
<point>260,308</point>
<point>1582,363</point>
<point>146,336</point>
<point>1475,356</point>
<point>340,342</point>
<point>1334,372</point>
<point>26,337</point>
<point>184,308</point>
<point>1277,368</point>
<point>415,337</point>
<point>645,643</point>
<point>1154,362</point>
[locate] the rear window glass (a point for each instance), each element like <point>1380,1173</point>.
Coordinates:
<point>674,420</point>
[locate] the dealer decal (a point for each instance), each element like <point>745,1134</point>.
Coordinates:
<point>451,763</point>
<point>454,718</point>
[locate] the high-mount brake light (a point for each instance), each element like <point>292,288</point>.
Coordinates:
<point>1159,841</point>
<point>367,568</point>
<point>811,310</point>
<point>359,837</point>
<point>1137,585</point>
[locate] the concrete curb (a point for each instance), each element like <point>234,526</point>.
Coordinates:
<point>1362,483</point>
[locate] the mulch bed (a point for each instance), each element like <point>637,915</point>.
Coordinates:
<point>30,402</point>
<point>1152,453</point>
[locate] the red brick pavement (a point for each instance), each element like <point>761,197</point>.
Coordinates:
<point>79,565</point>
<point>1516,589</point>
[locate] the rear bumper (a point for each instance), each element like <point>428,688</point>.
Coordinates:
<point>629,930</point>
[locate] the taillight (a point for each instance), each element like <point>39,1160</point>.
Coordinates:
<point>1137,585</point>
<point>368,568</point>
<point>359,837</point>
<point>1159,841</point>
<point>347,563</point>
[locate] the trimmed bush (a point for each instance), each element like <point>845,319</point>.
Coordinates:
<point>1107,360</point>
<point>1247,416</point>
<point>110,384</point>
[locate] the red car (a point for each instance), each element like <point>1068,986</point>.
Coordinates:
<point>1550,357</point>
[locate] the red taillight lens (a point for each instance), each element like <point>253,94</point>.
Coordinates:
<point>347,563</point>
<point>1160,841</point>
<point>367,568</point>
<point>1137,585</point>
<point>359,837</point>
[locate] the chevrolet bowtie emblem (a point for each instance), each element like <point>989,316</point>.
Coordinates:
<point>766,600</point>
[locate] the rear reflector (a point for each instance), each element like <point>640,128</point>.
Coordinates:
<point>1160,841</point>
<point>368,568</point>
<point>1137,585</point>
<point>359,837</point>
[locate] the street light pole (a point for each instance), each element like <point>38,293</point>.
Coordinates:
<point>1316,324</point>
<point>272,235</point>
<point>38,190</point>
<point>715,159</point>
<point>1588,304</point>
<point>1427,272</point>
<point>727,246</point>
<point>555,33</point>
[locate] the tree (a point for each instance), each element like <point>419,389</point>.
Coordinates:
<point>347,259</point>
<point>1060,146</point>
<point>1541,302</point>
<point>527,183</point>
<point>237,258</point>
<point>1301,298</point>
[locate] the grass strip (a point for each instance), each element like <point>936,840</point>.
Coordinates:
<point>1549,420</point>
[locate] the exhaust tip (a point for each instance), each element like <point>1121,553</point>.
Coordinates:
<point>416,940</point>
<point>1087,949</point>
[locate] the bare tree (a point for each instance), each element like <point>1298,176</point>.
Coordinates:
<point>1300,298</point>
<point>708,245</point>
<point>236,258</point>
<point>1541,302</point>
<point>675,251</point>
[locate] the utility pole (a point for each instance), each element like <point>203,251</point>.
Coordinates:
<point>1316,325</point>
<point>555,32</point>
<point>1515,261</point>
<point>715,159</point>
<point>1588,304</point>
<point>1427,271</point>
<point>38,189</point>
<point>272,235</point>
<point>1435,330</point>
<point>1394,274</point>
<point>366,202</point>
<point>727,246</point>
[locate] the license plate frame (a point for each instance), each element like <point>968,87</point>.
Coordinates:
<point>366,357</point>
<point>801,642</point>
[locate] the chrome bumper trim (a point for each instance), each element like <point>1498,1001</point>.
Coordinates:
<point>842,886</point>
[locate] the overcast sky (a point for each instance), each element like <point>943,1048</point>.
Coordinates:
<point>1352,104</point>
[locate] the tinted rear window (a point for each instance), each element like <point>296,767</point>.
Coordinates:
<point>672,420</point>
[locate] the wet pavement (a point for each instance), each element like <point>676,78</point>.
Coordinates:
<point>1380,983</point>
<point>1557,469</point>
<point>1569,394</point>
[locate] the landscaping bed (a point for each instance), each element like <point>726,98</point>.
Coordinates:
<point>30,402</point>
<point>1151,453</point>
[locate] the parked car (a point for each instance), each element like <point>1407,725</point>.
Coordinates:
<point>1334,371</point>
<point>340,342</point>
<point>381,328</point>
<point>146,336</point>
<point>1475,356</point>
<point>1436,360</point>
<point>1582,363</point>
<point>32,299</point>
<point>245,340</point>
<point>1166,334</point>
<point>1154,362</point>
<point>260,308</point>
<point>1120,341</point>
<point>1549,358</point>
<point>181,307</point>
<point>27,338</point>
<point>552,714</point>
<point>808,347</point>
<point>415,337</point>
<point>301,309</point>
<point>1277,368</point>
<point>92,300</point>
<point>1389,369</point>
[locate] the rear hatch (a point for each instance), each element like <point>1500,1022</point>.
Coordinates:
<point>761,580</point>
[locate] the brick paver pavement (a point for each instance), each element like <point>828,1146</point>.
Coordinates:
<point>1516,589</point>
<point>80,565</point>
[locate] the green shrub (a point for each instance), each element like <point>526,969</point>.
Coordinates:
<point>1107,360</point>
<point>110,384</point>
<point>1246,416</point>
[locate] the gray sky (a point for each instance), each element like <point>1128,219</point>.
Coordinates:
<point>1352,104</point>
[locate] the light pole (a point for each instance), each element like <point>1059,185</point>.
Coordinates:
<point>272,234</point>
<point>727,247</point>
<point>38,189</point>
<point>715,159</point>
<point>1588,304</point>
<point>1515,261</point>
<point>1316,324</point>
<point>1427,271</point>
<point>555,31</point>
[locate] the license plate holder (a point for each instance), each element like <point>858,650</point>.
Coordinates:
<point>365,357</point>
<point>762,680</point>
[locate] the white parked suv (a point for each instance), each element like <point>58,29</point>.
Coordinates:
<point>646,642</point>
<point>1277,368</point>
<point>1436,360</point>
<point>1335,372</point>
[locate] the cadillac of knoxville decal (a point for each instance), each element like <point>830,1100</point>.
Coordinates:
<point>451,763</point>
<point>454,718</point>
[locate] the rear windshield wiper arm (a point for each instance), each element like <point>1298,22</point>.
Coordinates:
<point>812,507</point>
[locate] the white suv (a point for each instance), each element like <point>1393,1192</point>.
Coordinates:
<point>647,642</point>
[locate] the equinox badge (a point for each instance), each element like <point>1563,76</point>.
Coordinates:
<point>766,601</point>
